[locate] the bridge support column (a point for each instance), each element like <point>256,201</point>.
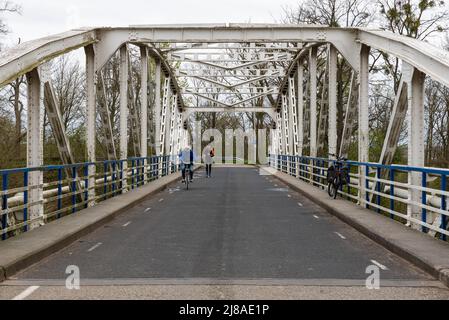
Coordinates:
<point>35,147</point>
<point>157,109</point>
<point>124,69</point>
<point>144,109</point>
<point>91,97</point>
<point>363,119</point>
<point>313,101</point>
<point>285,129</point>
<point>332,134</point>
<point>313,107</point>
<point>300,101</point>
<point>416,142</point>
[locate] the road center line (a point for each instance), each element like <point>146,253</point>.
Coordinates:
<point>26,293</point>
<point>127,224</point>
<point>340,235</point>
<point>316,217</point>
<point>289,196</point>
<point>147,209</point>
<point>95,247</point>
<point>379,265</point>
<point>160,200</point>
<point>300,204</point>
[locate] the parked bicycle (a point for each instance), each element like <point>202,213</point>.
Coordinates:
<point>337,176</point>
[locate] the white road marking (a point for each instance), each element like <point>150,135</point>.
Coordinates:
<point>340,235</point>
<point>289,196</point>
<point>147,209</point>
<point>379,265</point>
<point>127,224</point>
<point>300,204</point>
<point>26,293</point>
<point>316,217</point>
<point>276,185</point>
<point>160,200</point>
<point>95,247</point>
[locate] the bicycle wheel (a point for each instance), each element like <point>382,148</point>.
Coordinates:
<point>330,188</point>
<point>336,187</point>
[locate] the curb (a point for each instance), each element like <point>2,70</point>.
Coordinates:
<point>439,272</point>
<point>26,260</point>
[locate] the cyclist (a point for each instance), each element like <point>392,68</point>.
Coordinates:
<point>186,158</point>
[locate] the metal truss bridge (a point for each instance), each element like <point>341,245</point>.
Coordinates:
<point>256,68</point>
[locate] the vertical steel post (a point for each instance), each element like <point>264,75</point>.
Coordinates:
<point>313,101</point>
<point>144,109</point>
<point>416,138</point>
<point>124,66</point>
<point>300,101</point>
<point>332,135</point>
<point>35,146</point>
<point>91,104</point>
<point>158,109</point>
<point>363,118</point>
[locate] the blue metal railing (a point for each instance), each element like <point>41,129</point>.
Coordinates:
<point>67,189</point>
<point>385,189</point>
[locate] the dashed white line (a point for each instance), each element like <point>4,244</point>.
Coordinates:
<point>340,235</point>
<point>147,209</point>
<point>289,196</point>
<point>95,247</point>
<point>160,200</point>
<point>26,293</point>
<point>316,217</point>
<point>300,204</point>
<point>379,265</point>
<point>127,224</point>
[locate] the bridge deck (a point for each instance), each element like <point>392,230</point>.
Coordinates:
<point>237,225</point>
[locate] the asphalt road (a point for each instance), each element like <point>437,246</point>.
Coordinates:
<point>238,229</point>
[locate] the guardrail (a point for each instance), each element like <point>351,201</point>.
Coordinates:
<point>66,189</point>
<point>385,189</point>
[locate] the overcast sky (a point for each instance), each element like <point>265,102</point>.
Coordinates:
<point>44,17</point>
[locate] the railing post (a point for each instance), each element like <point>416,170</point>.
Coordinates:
<point>59,191</point>
<point>443,206</point>
<point>25,200</point>
<point>132,174</point>
<point>86,186</point>
<point>4,205</point>
<point>392,187</point>
<point>74,178</point>
<point>366,186</point>
<point>105,187</point>
<point>378,186</point>
<point>424,202</point>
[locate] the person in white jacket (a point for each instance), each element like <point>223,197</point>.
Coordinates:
<point>208,158</point>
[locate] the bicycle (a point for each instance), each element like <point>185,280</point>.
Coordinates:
<point>337,176</point>
<point>187,176</point>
